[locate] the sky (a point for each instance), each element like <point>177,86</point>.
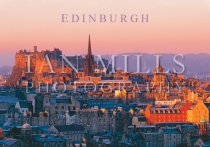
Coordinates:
<point>175,26</point>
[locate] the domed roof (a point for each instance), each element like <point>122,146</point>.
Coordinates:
<point>26,125</point>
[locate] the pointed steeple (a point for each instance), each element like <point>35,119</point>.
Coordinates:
<point>89,47</point>
<point>160,68</point>
<point>159,63</point>
<point>89,67</point>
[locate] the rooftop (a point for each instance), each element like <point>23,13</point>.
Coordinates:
<point>67,128</point>
<point>8,141</point>
<point>48,138</point>
<point>171,131</point>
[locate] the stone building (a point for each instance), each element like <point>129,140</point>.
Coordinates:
<point>71,133</point>
<point>96,120</point>
<point>48,140</point>
<point>139,121</point>
<point>177,113</point>
<point>159,75</point>
<point>40,71</point>
<point>197,112</point>
<point>171,137</point>
<point>59,105</point>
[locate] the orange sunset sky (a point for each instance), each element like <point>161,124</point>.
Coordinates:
<point>175,26</point>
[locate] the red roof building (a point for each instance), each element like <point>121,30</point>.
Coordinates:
<point>177,113</point>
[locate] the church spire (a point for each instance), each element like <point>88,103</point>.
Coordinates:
<point>159,63</point>
<point>89,47</point>
<point>89,66</point>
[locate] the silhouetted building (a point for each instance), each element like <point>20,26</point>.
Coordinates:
<point>89,67</point>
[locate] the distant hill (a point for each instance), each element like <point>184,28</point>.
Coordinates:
<point>195,63</point>
<point>5,69</point>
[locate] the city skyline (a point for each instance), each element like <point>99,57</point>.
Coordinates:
<point>10,53</point>
<point>104,73</point>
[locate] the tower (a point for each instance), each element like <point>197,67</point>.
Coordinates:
<point>89,67</point>
<point>159,76</point>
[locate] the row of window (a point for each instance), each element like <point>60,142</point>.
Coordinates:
<point>69,107</point>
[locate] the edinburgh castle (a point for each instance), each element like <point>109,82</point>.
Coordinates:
<point>39,67</point>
